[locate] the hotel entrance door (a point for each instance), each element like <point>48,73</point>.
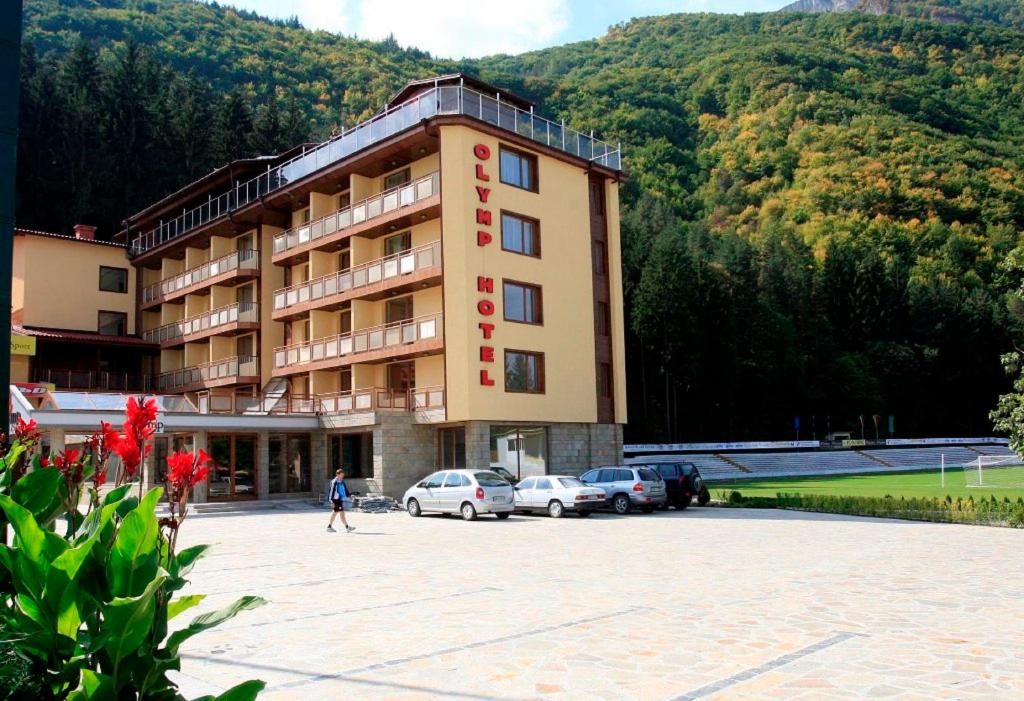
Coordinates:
<point>234,476</point>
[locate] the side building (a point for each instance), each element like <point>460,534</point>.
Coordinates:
<point>440,285</point>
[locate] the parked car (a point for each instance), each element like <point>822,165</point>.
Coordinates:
<point>512,479</point>
<point>683,483</point>
<point>627,486</point>
<point>557,494</point>
<point>466,492</point>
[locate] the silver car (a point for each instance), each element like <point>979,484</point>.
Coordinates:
<point>466,492</point>
<point>628,487</point>
<point>557,494</point>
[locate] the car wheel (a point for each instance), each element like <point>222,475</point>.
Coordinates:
<point>704,497</point>
<point>585,513</point>
<point>683,502</point>
<point>502,516</point>
<point>468,512</point>
<point>555,509</point>
<point>413,507</point>
<point>621,504</point>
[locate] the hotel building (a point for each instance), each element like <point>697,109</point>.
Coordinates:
<point>439,286</point>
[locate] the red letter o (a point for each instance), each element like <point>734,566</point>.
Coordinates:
<point>485,307</point>
<point>482,152</point>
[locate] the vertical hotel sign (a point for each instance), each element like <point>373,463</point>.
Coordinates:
<point>484,285</point>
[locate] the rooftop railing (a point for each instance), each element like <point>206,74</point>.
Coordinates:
<point>246,260</point>
<point>391,267</point>
<point>374,398</point>
<point>226,369</point>
<point>374,338</point>
<point>441,100</point>
<point>366,210</point>
<point>240,312</point>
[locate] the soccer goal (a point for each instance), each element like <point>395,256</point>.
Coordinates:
<point>994,472</point>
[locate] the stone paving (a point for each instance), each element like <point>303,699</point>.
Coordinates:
<point>708,603</point>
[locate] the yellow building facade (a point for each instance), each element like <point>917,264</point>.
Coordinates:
<point>440,285</point>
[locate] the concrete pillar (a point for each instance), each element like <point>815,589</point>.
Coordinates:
<point>56,440</point>
<point>262,465</point>
<point>319,473</point>
<point>201,492</point>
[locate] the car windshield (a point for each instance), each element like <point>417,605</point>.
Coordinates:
<point>490,479</point>
<point>570,482</point>
<point>503,472</point>
<point>649,475</point>
<point>666,470</point>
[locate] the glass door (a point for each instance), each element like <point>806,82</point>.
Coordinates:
<point>234,473</point>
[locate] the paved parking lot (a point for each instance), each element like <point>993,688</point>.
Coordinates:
<point>709,603</point>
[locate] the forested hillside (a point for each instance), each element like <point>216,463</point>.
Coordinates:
<point>817,210</point>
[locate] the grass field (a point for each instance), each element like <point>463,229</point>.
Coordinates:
<point>1005,482</point>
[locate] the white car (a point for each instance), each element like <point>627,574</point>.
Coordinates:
<point>466,492</point>
<point>557,494</point>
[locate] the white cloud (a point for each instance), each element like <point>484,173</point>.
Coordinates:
<point>331,15</point>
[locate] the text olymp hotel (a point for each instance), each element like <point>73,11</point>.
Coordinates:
<point>440,286</point>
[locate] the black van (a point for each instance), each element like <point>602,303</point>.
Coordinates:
<point>683,482</point>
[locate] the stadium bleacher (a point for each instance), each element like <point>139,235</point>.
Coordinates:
<point>742,465</point>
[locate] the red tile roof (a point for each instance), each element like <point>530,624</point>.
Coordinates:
<point>81,336</point>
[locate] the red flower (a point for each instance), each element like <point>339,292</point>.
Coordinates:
<point>44,462</point>
<point>131,456</point>
<point>26,431</point>
<point>186,471</point>
<point>70,466</point>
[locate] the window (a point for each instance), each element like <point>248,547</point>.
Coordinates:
<point>603,322</point>
<point>490,479</point>
<point>518,169</point>
<point>623,476</point>
<point>435,480</point>
<point>398,309</point>
<point>290,468</point>
<point>520,450</point>
<point>570,482</point>
<point>591,476</point>
<point>648,475</point>
<point>524,372</point>
<point>352,452</point>
<point>451,448</point>
<point>600,257</point>
<point>526,484</point>
<point>113,279</point>
<point>522,303</point>
<point>454,479</point>
<point>520,235</point>
<point>604,379</point>
<point>544,483</point>
<point>113,323</point>
<point>399,243</point>
<point>399,177</point>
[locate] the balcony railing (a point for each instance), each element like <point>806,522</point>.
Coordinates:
<point>366,210</point>
<point>441,100</point>
<point>240,312</point>
<point>245,260</point>
<point>199,375</point>
<point>96,380</point>
<point>232,402</point>
<point>374,398</point>
<point>394,335</point>
<point>391,267</point>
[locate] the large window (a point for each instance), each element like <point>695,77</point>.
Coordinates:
<point>522,450</point>
<point>518,169</point>
<point>290,468</point>
<point>113,323</point>
<point>451,448</point>
<point>520,234</point>
<point>522,303</point>
<point>524,372</point>
<point>113,279</point>
<point>399,243</point>
<point>397,178</point>
<point>353,453</point>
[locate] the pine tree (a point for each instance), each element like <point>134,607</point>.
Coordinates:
<point>190,127</point>
<point>294,126</point>
<point>233,129</point>
<point>267,132</point>
<point>78,140</point>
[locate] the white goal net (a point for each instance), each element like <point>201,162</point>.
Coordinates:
<point>994,471</point>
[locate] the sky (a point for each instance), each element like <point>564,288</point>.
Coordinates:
<point>473,28</point>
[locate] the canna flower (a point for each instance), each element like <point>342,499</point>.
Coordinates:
<point>26,431</point>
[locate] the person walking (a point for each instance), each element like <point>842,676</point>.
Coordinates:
<point>338,495</point>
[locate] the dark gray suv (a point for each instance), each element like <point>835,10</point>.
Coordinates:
<point>627,487</point>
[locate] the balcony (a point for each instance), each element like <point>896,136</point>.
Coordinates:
<point>219,373</point>
<point>419,336</point>
<point>228,401</point>
<point>368,217</point>
<point>441,100</point>
<point>234,318</point>
<point>96,380</point>
<point>233,267</point>
<point>375,398</point>
<point>378,278</point>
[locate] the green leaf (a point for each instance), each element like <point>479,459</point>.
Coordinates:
<point>246,691</point>
<point>134,559</point>
<point>183,604</point>
<point>39,545</point>
<point>212,619</point>
<point>116,494</point>
<point>93,687</point>
<point>185,559</point>
<point>127,622</point>
<point>40,491</point>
